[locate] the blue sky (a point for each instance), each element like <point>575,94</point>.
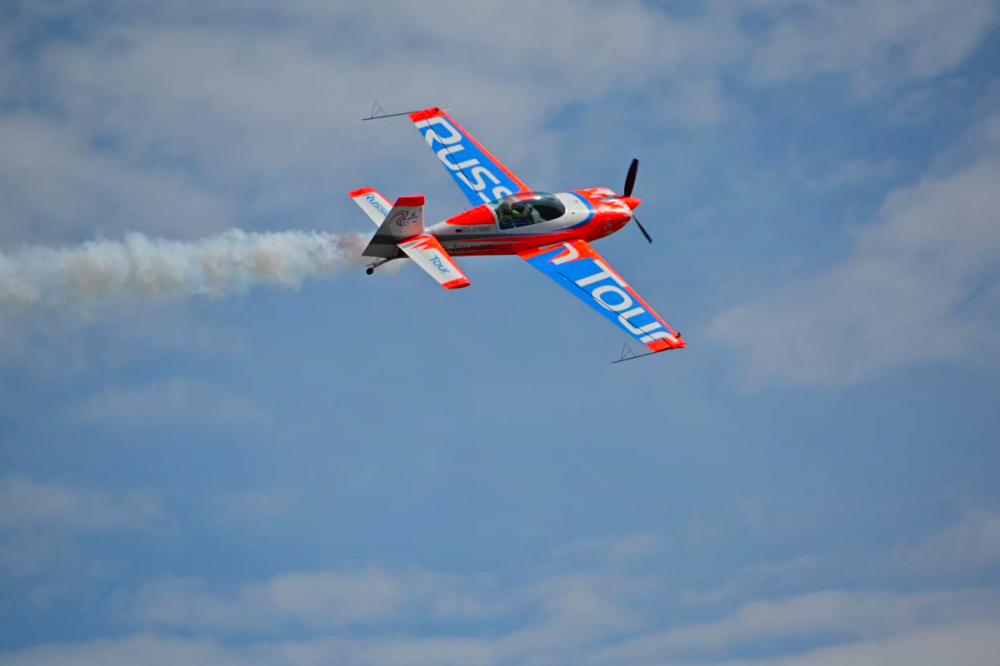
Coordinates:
<point>371,470</point>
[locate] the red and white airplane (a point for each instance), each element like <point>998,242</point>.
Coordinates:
<point>550,231</point>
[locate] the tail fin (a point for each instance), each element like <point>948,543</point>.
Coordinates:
<point>402,232</point>
<point>404,221</point>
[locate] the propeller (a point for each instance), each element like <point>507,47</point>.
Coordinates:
<point>630,178</point>
<point>629,184</point>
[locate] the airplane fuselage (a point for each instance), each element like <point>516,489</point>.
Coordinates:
<point>528,220</point>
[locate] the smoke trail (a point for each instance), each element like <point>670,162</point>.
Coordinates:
<point>139,267</point>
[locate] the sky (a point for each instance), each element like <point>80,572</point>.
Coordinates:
<point>294,464</point>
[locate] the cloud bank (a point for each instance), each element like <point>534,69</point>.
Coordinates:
<point>918,284</point>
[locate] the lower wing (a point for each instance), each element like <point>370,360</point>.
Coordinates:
<point>578,268</point>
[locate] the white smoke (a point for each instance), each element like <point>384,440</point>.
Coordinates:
<point>139,267</point>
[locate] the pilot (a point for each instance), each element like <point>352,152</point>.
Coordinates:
<point>516,217</point>
<point>532,212</point>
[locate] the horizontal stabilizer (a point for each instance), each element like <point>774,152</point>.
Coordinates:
<point>374,204</point>
<point>426,252</point>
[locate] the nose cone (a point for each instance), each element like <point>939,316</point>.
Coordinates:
<point>632,202</point>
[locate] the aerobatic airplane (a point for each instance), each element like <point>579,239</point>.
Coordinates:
<point>552,232</point>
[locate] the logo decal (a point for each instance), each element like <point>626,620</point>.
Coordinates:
<point>404,218</point>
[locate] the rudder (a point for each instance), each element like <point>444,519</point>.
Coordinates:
<point>404,221</point>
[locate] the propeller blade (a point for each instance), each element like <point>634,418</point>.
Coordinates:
<point>642,228</point>
<point>630,179</point>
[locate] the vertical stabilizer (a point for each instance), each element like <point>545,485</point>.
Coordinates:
<point>404,221</point>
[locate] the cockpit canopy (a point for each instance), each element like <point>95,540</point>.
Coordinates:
<point>526,208</point>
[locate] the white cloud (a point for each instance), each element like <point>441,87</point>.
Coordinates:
<point>141,649</point>
<point>974,543</point>
<point>972,643</point>
<point>918,285</point>
<point>376,615</point>
<point>54,188</point>
<point>182,119</point>
<point>836,615</point>
<point>41,521</point>
<point>315,600</point>
<point>975,641</point>
<point>177,402</point>
<point>555,615</point>
<point>27,503</point>
<point>877,45</point>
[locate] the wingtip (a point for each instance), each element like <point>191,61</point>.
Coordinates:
<point>460,283</point>
<point>424,114</point>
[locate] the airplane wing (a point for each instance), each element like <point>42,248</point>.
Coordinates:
<point>578,268</point>
<point>481,177</point>
<point>426,252</point>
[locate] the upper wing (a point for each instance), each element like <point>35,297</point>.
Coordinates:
<point>578,268</point>
<point>481,176</point>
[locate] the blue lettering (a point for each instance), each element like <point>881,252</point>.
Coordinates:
<point>476,173</point>
<point>439,264</point>
<point>374,202</point>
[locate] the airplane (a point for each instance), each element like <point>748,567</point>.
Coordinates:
<point>552,232</point>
